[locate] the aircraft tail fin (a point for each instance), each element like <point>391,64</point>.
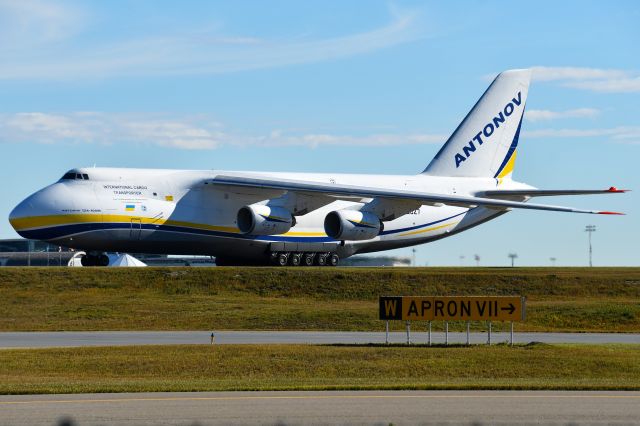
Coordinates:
<point>485,142</point>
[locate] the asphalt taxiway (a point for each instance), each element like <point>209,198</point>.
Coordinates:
<point>348,407</point>
<point>126,338</point>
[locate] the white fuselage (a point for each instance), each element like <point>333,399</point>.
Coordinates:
<point>176,212</point>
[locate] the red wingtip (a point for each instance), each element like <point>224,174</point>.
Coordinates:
<point>614,189</point>
<point>612,213</point>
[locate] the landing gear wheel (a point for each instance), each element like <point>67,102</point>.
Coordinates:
<point>87,260</point>
<point>321,260</point>
<point>333,259</point>
<point>296,258</point>
<point>283,259</point>
<point>308,258</point>
<point>94,260</point>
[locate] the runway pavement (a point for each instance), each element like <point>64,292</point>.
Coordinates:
<point>371,407</point>
<point>122,338</point>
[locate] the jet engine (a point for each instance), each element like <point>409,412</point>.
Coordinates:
<point>352,225</point>
<point>264,220</point>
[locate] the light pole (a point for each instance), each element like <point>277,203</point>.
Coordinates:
<point>513,257</point>
<point>414,256</point>
<point>553,261</point>
<point>477,259</point>
<point>462,260</point>
<point>590,229</point>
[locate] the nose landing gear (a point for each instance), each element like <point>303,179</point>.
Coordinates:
<point>95,259</point>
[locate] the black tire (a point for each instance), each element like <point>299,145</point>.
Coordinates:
<point>321,260</point>
<point>308,259</point>
<point>333,259</point>
<point>295,259</point>
<point>103,260</point>
<point>87,260</point>
<point>283,259</point>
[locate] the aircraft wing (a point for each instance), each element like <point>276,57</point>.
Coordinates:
<point>339,191</point>
<point>550,192</point>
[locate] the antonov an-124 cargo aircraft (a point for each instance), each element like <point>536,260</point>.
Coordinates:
<point>296,218</point>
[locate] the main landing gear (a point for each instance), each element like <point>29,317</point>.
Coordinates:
<point>284,258</point>
<point>95,259</point>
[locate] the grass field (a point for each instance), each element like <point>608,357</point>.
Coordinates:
<point>559,299</point>
<point>303,367</point>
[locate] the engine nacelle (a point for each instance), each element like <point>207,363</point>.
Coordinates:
<point>264,220</point>
<point>352,225</point>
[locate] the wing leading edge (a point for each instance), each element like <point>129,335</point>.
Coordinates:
<point>339,191</point>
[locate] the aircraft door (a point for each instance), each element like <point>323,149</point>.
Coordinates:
<point>136,228</point>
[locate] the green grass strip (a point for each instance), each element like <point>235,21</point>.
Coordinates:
<point>306,367</point>
<point>559,299</point>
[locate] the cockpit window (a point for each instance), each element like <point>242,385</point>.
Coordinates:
<point>74,176</point>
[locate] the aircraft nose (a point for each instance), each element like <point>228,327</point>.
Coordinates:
<point>22,211</point>
<point>33,211</point>
<point>40,203</point>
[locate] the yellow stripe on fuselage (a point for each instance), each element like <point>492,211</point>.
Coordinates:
<point>32,222</point>
<point>23,223</point>
<point>433,228</point>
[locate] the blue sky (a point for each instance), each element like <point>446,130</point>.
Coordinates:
<point>330,86</point>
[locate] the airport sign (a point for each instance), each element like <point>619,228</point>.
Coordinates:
<point>452,308</point>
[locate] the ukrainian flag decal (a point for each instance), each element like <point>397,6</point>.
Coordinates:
<point>130,207</point>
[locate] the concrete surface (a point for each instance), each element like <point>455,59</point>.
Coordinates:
<point>372,407</point>
<point>120,338</point>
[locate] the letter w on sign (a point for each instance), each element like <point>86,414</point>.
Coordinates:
<point>390,308</point>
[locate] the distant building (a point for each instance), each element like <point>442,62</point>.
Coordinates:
<point>376,261</point>
<point>21,252</point>
<point>165,260</point>
<point>17,245</point>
